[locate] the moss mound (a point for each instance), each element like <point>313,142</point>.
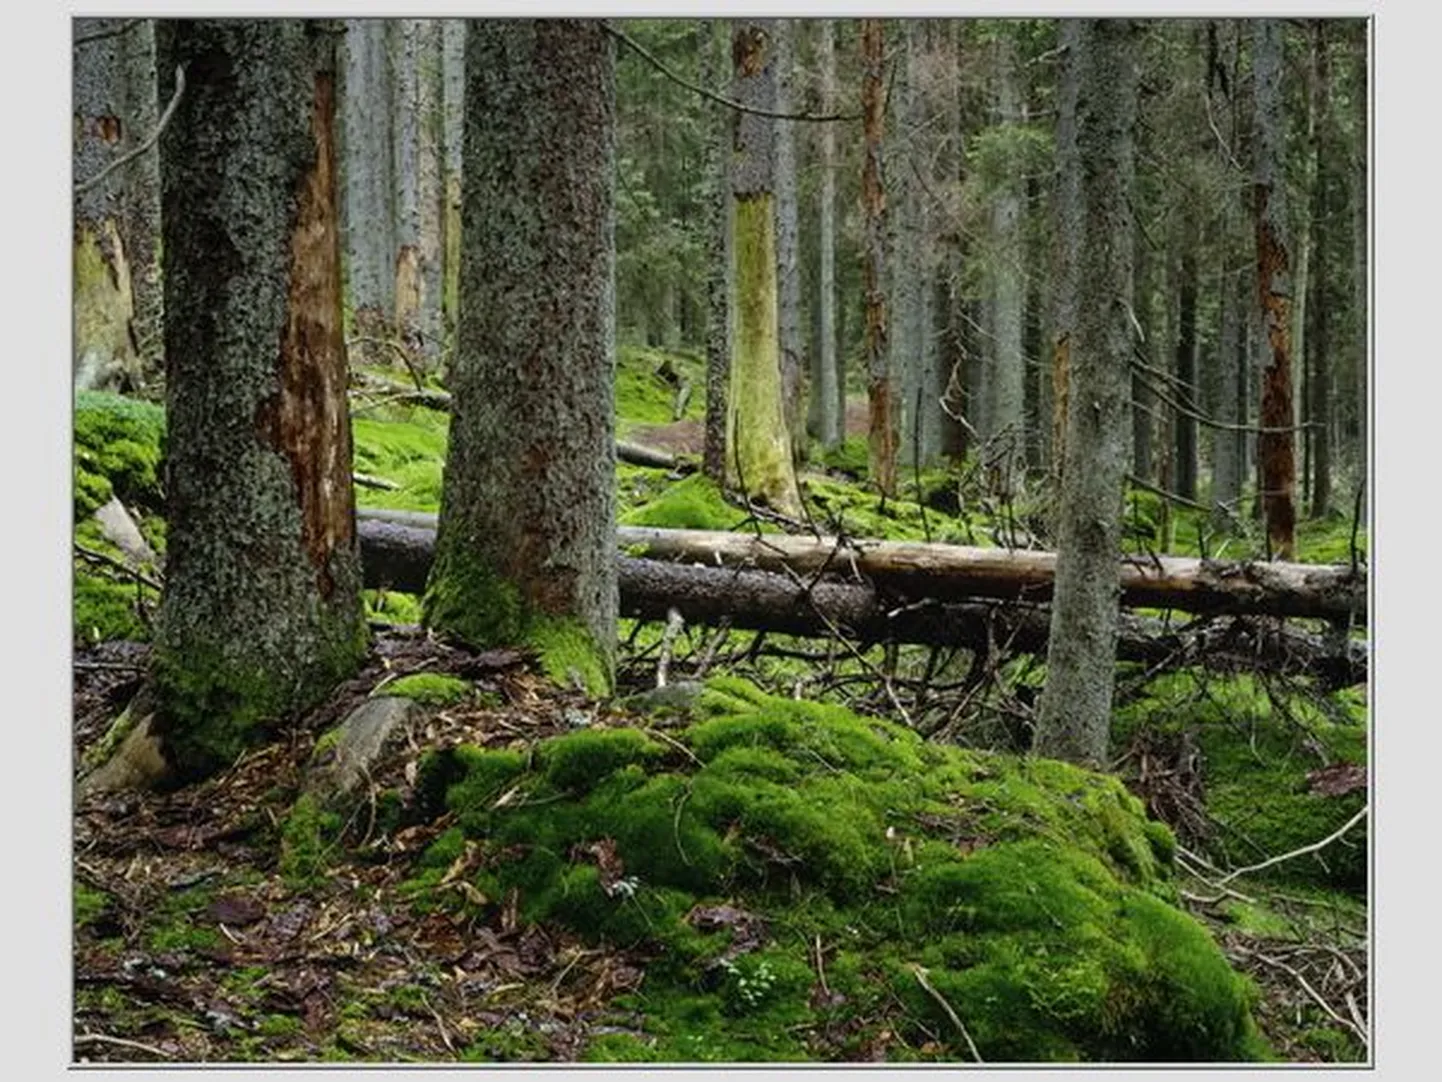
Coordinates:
<point>119,442</point>
<point>1027,898</point>
<point>405,445</point>
<point>695,503</point>
<point>1261,758</point>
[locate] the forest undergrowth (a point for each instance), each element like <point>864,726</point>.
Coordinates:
<point>675,896</point>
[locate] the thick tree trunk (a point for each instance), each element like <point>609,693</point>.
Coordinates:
<point>261,611</point>
<point>1275,444</point>
<point>1074,715</point>
<point>714,42</point>
<point>827,393</point>
<point>524,546</point>
<point>880,385</point>
<point>368,211</point>
<point>758,447</point>
<point>118,306</point>
<point>397,556</point>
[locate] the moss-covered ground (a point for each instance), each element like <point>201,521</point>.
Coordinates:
<point>538,876</point>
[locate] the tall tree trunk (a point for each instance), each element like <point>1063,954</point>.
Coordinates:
<point>788,260</point>
<point>1143,401</point>
<point>1360,202</point>
<point>118,304</point>
<point>261,611</point>
<point>1008,287</point>
<point>453,89</point>
<point>826,394</point>
<point>524,548</point>
<point>714,42</point>
<point>1228,451</point>
<point>1275,445</point>
<point>418,170</point>
<point>882,434</point>
<point>1317,341</point>
<point>758,446</point>
<point>368,207</point>
<point>1066,249</point>
<point>904,340</point>
<point>1074,714</point>
<point>1185,449</point>
<point>950,376</point>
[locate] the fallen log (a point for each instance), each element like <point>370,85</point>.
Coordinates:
<point>920,571</point>
<point>398,555</point>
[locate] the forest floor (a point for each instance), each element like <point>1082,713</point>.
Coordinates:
<point>193,945</point>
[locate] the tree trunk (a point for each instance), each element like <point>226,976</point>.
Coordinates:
<point>261,611</point>
<point>118,306</point>
<point>1360,295</point>
<point>527,524</point>
<point>827,395</point>
<point>880,388</point>
<point>368,203</point>
<point>415,46</point>
<point>1276,442</point>
<point>758,447</point>
<point>904,332</point>
<point>1066,241</point>
<point>453,89</point>
<point>1144,402</point>
<point>1008,290</point>
<point>1074,715</point>
<point>1228,450</point>
<point>1185,448</point>
<point>718,256</point>
<point>790,336</point>
<point>1317,341</point>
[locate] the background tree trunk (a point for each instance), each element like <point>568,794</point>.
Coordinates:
<point>880,388</point>
<point>1317,343</point>
<point>1008,368</point>
<point>453,89</point>
<point>1066,248</point>
<point>118,304</point>
<point>714,41</point>
<point>368,211</point>
<point>261,611</point>
<point>788,260</point>
<point>1185,425</point>
<point>827,392</point>
<point>1074,714</point>
<point>1275,445</point>
<point>527,524</point>
<point>758,447</point>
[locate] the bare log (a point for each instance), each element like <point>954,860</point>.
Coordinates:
<point>397,554</point>
<point>919,571</point>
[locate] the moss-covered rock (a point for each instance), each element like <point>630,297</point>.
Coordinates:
<point>430,689</point>
<point>695,503</point>
<point>1034,896</point>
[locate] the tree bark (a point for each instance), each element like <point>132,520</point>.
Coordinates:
<point>397,556</point>
<point>826,391</point>
<point>715,39</point>
<point>1317,341</point>
<point>758,446</point>
<point>1275,444</point>
<point>1066,242</point>
<point>788,259</point>
<point>1185,447</point>
<point>1074,715</point>
<point>880,387</point>
<point>524,546</point>
<point>453,89</point>
<point>1007,380</point>
<point>118,305</point>
<point>261,610</point>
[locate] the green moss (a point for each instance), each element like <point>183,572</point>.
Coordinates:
<point>392,606</point>
<point>515,1041</point>
<point>430,689</point>
<point>115,735</point>
<point>646,383</point>
<point>1257,753</point>
<point>1032,893</point>
<point>104,609</point>
<point>406,446</point>
<point>88,904</point>
<point>119,444</point>
<point>695,503</point>
<point>306,837</point>
<point>572,656</point>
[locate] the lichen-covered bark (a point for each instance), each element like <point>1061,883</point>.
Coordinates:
<point>1007,381</point>
<point>758,447</point>
<point>1275,444</point>
<point>368,203</point>
<point>1317,344</point>
<point>904,340</point>
<point>1075,711</point>
<point>524,551</point>
<point>261,613</point>
<point>118,310</point>
<point>1066,241</point>
<point>415,50</point>
<point>882,413</point>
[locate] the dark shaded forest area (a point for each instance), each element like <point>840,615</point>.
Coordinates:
<point>713,541</point>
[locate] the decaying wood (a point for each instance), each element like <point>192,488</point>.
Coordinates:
<point>397,554</point>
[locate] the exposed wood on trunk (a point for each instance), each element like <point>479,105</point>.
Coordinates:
<point>916,570</point>
<point>398,556</point>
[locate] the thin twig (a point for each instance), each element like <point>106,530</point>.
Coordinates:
<point>920,973</point>
<point>102,1038</point>
<point>1328,840</point>
<point>125,159</point>
<point>96,557</point>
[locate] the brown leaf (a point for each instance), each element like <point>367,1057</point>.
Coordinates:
<point>235,910</point>
<point>1337,780</point>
